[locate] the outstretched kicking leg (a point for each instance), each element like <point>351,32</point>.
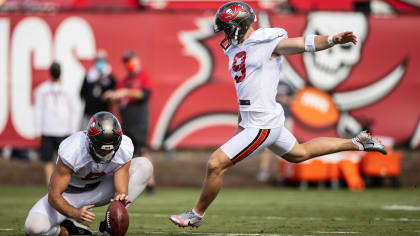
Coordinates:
<point>322,146</point>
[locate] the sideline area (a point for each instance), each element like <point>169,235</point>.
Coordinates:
<point>186,168</point>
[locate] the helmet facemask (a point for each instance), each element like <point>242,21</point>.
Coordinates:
<point>97,156</point>
<point>231,35</point>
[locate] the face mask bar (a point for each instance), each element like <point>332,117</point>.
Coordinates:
<point>232,38</point>
<point>99,158</point>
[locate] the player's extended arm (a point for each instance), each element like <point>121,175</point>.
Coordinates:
<point>136,94</point>
<point>312,43</point>
<point>121,178</point>
<point>59,182</point>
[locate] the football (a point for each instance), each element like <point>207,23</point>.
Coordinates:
<point>117,218</point>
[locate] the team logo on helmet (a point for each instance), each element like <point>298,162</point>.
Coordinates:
<point>119,131</point>
<point>92,127</point>
<point>231,13</point>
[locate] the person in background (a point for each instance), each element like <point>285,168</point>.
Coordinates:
<point>97,81</point>
<point>285,95</point>
<point>133,96</point>
<point>55,118</point>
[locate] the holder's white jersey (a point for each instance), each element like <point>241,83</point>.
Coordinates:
<point>256,77</point>
<point>73,152</point>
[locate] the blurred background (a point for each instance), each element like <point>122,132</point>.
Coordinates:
<point>191,102</point>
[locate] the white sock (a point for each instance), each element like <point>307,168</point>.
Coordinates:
<point>141,171</point>
<point>195,213</point>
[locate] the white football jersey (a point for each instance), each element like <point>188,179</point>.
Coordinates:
<point>74,153</point>
<point>256,77</point>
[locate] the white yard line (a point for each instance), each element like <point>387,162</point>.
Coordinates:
<point>218,234</point>
<point>398,219</point>
<point>401,208</point>
<point>7,229</point>
<point>335,232</point>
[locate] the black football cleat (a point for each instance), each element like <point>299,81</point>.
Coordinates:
<point>75,228</point>
<point>103,229</point>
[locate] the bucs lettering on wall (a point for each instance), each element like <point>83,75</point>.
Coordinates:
<point>28,46</point>
<point>194,103</point>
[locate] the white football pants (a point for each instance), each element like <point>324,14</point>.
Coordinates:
<point>251,140</point>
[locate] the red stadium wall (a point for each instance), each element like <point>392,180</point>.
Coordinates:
<point>399,6</point>
<point>194,102</point>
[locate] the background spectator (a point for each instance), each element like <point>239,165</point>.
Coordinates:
<point>285,95</point>
<point>97,81</point>
<point>55,118</point>
<point>133,95</point>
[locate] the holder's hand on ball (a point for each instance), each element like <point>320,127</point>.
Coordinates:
<point>122,197</point>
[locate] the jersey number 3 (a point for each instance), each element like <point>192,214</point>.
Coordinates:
<point>239,67</point>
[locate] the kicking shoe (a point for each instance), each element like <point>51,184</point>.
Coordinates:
<point>75,228</point>
<point>186,219</point>
<point>368,144</point>
<point>103,229</point>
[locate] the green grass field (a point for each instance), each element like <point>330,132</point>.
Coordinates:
<point>252,212</point>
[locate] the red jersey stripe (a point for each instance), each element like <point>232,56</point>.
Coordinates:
<point>261,137</point>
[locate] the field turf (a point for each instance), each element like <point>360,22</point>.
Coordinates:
<point>262,211</point>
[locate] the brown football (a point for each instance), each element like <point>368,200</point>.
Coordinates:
<point>117,218</point>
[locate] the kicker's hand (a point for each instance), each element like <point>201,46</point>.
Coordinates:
<point>345,37</point>
<point>85,216</point>
<point>122,197</point>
